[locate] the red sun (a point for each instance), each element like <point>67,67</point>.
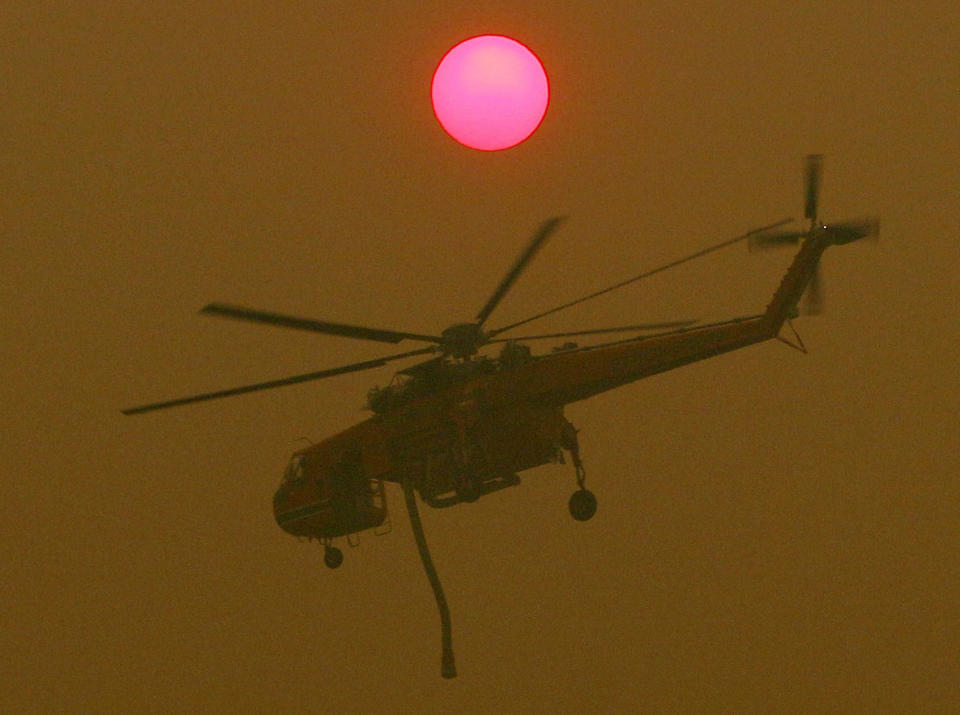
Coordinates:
<point>490,92</point>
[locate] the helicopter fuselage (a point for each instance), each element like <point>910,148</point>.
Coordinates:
<point>482,430</point>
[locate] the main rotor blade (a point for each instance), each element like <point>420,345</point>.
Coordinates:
<point>622,329</point>
<point>811,181</point>
<point>536,242</point>
<point>317,326</point>
<point>621,284</point>
<point>276,383</point>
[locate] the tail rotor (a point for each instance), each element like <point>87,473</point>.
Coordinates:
<point>837,233</point>
<point>811,181</point>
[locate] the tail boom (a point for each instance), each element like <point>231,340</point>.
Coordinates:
<point>574,376</point>
<point>783,306</point>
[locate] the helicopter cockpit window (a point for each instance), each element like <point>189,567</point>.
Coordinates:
<point>295,469</point>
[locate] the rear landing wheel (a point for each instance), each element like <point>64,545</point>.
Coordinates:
<point>583,505</point>
<point>332,557</point>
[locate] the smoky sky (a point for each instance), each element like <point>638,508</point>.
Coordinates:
<point>775,531</point>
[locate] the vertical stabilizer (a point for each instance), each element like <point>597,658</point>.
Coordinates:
<point>783,306</point>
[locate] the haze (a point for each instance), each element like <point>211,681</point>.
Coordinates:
<point>776,531</point>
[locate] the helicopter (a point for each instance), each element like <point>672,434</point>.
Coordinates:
<point>460,426</point>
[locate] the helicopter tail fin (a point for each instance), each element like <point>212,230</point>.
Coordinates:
<point>798,277</point>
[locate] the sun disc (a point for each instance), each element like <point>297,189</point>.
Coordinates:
<point>490,92</point>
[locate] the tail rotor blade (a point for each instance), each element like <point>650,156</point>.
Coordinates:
<point>773,239</point>
<point>814,168</point>
<point>854,230</point>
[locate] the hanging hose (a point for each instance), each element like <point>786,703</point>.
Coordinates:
<point>448,668</point>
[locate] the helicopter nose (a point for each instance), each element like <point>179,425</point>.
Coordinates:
<point>280,498</point>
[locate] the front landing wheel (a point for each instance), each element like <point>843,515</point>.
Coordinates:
<point>332,557</point>
<point>583,505</point>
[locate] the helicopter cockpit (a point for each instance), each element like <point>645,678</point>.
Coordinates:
<point>295,471</point>
<point>324,498</point>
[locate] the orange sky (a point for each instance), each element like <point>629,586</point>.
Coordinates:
<point>775,532</point>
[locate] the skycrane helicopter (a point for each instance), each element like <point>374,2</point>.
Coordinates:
<point>460,425</point>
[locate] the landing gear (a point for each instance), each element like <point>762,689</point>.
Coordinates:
<point>332,556</point>
<point>582,504</point>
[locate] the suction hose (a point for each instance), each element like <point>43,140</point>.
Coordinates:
<point>448,668</point>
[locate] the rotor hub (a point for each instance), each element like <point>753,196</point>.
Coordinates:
<point>462,340</point>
